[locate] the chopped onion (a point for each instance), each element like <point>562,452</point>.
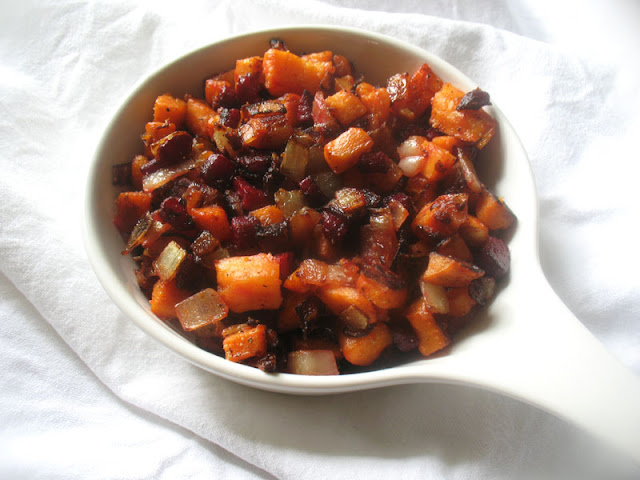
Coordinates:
<point>168,262</point>
<point>469,172</point>
<point>294,160</point>
<point>313,362</point>
<point>163,176</point>
<point>411,147</point>
<point>289,201</point>
<point>328,183</point>
<point>413,165</point>
<point>201,310</point>
<point>354,318</point>
<point>139,233</point>
<point>398,212</point>
<point>435,296</point>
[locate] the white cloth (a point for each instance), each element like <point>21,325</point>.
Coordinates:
<point>85,394</point>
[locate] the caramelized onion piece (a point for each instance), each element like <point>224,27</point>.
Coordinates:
<point>203,309</point>
<point>313,362</point>
<point>168,263</point>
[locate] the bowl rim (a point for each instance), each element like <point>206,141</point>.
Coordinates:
<point>157,329</point>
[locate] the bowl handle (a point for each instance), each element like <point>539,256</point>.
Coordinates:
<point>553,362</point>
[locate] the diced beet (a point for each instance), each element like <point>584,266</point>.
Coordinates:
<point>248,88</point>
<point>243,231</point>
<point>268,363</point>
<point>308,312</point>
<point>334,225</point>
<point>278,44</point>
<point>494,258</point>
<point>256,164</point>
<point>374,162</point>
<point>404,338</point>
<point>304,116</point>
<point>474,100</point>
<point>227,97</point>
<point>274,238</point>
<point>286,261</point>
<point>482,289</point>
<point>312,192</point>
<point>372,198</point>
<point>401,198</point>
<point>217,169</point>
<point>252,197</point>
<point>273,179</point>
<point>233,204</point>
<point>121,174</point>
<point>173,148</point>
<point>174,212</point>
<point>230,117</point>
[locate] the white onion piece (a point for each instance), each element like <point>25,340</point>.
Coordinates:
<point>398,212</point>
<point>469,173</point>
<point>354,318</point>
<point>328,183</point>
<point>201,310</point>
<point>313,362</point>
<point>411,147</point>
<point>168,262</point>
<point>165,175</point>
<point>413,165</point>
<point>289,201</point>
<point>435,296</point>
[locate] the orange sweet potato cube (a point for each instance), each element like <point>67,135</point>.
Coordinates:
<point>309,275</point>
<point>448,142</point>
<point>200,118</point>
<point>288,319</point>
<point>377,102</point>
<point>381,292</point>
<point>431,338</point>
<point>442,217</point>
<point>475,126</point>
<point>130,207</point>
<point>249,282</point>
<point>455,247</point>
<point>338,299</point>
<point>449,271</point>
<point>268,215</point>
<point>439,162</point>
<point>343,152</point>
<point>170,108</point>
<point>474,232</point>
<point>493,212</point>
<point>365,350</point>
<point>269,131</point>
<point>165,296</point>
<point>283,72</point>
<point>137,163</point>
<point>245,344</point>
<point>460,302</point>
<point>346,107</point>
<point>154,131</point>
<point>423,85</point>
<point>246,66</point>
<point>213,219</point>
<point>316,67</point>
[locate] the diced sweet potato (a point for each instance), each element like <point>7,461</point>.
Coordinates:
<point>248,343</point>
<point>130,207</point>
<point>475,126</point>
<point>283,72</point>
<point>219,93</point>
<point>249,282</point>
<point>493,212</point>
<point>442,217</point>
<point>270,131</point>
<point>439,162</point>
<point>291,102</point>
<point>154,131</point>
<point>164,298</point>
<point>337,299</point>
<point>213,219</point>
<point>460,302</point>
<point>247,66</point>
<point>365,350</point>
<point>137,163</point>
<point>450,272</point>
<point>200,118</point>
<point>288,319</point>
<point>170,108</point>
<point>345,107</point>
<point>423,85</point>
<point>310,274</point>
<point>431,338</point>
<point>377,102</point>
<point>384,289</point>
<point>448,142</point>
<point>317,68</point>
<point>474,232</point>
<point>343,152</point>
<point>455,247</point>
<point>302,225</point>
<point>268,215</point>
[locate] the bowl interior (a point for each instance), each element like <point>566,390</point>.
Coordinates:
<point>503,166</point>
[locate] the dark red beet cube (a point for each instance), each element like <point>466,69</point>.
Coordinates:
<point>174,212</point>
<point>312,192</point>
<point>256,164</point>
<point>304,116</point>
<point>334,225</point>
<point>252,197</point>
<point>230,117</point>
<point>244,231</point>
<point>274,238</point>
<point>248,88</point>
<point>374,162</point>
<point>217,169</point>
<point>494,258</point>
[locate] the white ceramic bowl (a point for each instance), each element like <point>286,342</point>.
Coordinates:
<point>526,344</point>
